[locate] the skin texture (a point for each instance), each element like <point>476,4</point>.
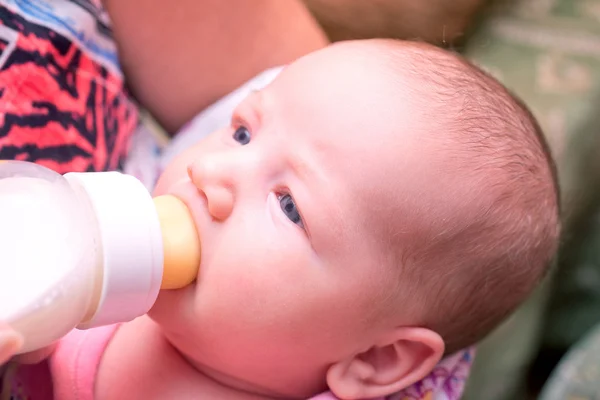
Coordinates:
<point>283,309</point>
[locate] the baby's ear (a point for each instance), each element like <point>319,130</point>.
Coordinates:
<point>403,357</point>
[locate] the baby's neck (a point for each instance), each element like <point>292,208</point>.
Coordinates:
<point>243,390</point>
<point>140,348</point>
<point>232,384</point>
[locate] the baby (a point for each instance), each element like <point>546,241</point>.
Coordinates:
<point>379,206</point>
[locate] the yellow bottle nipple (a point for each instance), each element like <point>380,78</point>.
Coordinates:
<point>180,242</point>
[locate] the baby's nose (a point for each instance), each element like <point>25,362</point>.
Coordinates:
<point>216,186</point>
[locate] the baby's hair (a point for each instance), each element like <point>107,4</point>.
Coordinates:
<point>476,270</point>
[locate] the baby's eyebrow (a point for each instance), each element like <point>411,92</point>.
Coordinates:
<point>257,102</point>
<point>301,168</point>
<point>251,105</point>
<point>323,205</point>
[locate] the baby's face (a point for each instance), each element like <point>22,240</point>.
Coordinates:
<point>291,279</point>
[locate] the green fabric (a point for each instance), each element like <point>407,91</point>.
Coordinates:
<point>548,53</point>
<point>578,375</point>
<point>503,358</point>
<point>575,304</point>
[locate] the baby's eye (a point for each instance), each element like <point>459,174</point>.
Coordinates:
<point>290,210</point>
<point>241,135</point>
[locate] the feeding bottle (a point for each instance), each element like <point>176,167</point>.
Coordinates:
<point>82,250</point>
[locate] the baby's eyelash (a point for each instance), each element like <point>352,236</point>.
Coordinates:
<point>237,122</point>
<point>290,208</point>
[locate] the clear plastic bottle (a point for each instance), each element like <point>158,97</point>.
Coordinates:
<point>78,251</point>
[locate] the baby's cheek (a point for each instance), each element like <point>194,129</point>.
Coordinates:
<point>255,286</point>
<point>274,310</point>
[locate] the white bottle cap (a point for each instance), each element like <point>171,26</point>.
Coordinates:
<point>131,249</point>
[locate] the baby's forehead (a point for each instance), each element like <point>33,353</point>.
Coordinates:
<point>345,104</point>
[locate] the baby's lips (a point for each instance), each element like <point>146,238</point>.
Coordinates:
<point>181,242</point>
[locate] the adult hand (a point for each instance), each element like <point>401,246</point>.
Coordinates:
<point>10,344</point>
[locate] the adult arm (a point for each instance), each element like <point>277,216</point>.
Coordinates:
<point>182,55</point>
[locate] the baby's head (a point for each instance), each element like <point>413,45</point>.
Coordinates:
<point>379,205</point>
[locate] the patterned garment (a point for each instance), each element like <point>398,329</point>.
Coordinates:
<point>446,381</point>
<point>63,103</point>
